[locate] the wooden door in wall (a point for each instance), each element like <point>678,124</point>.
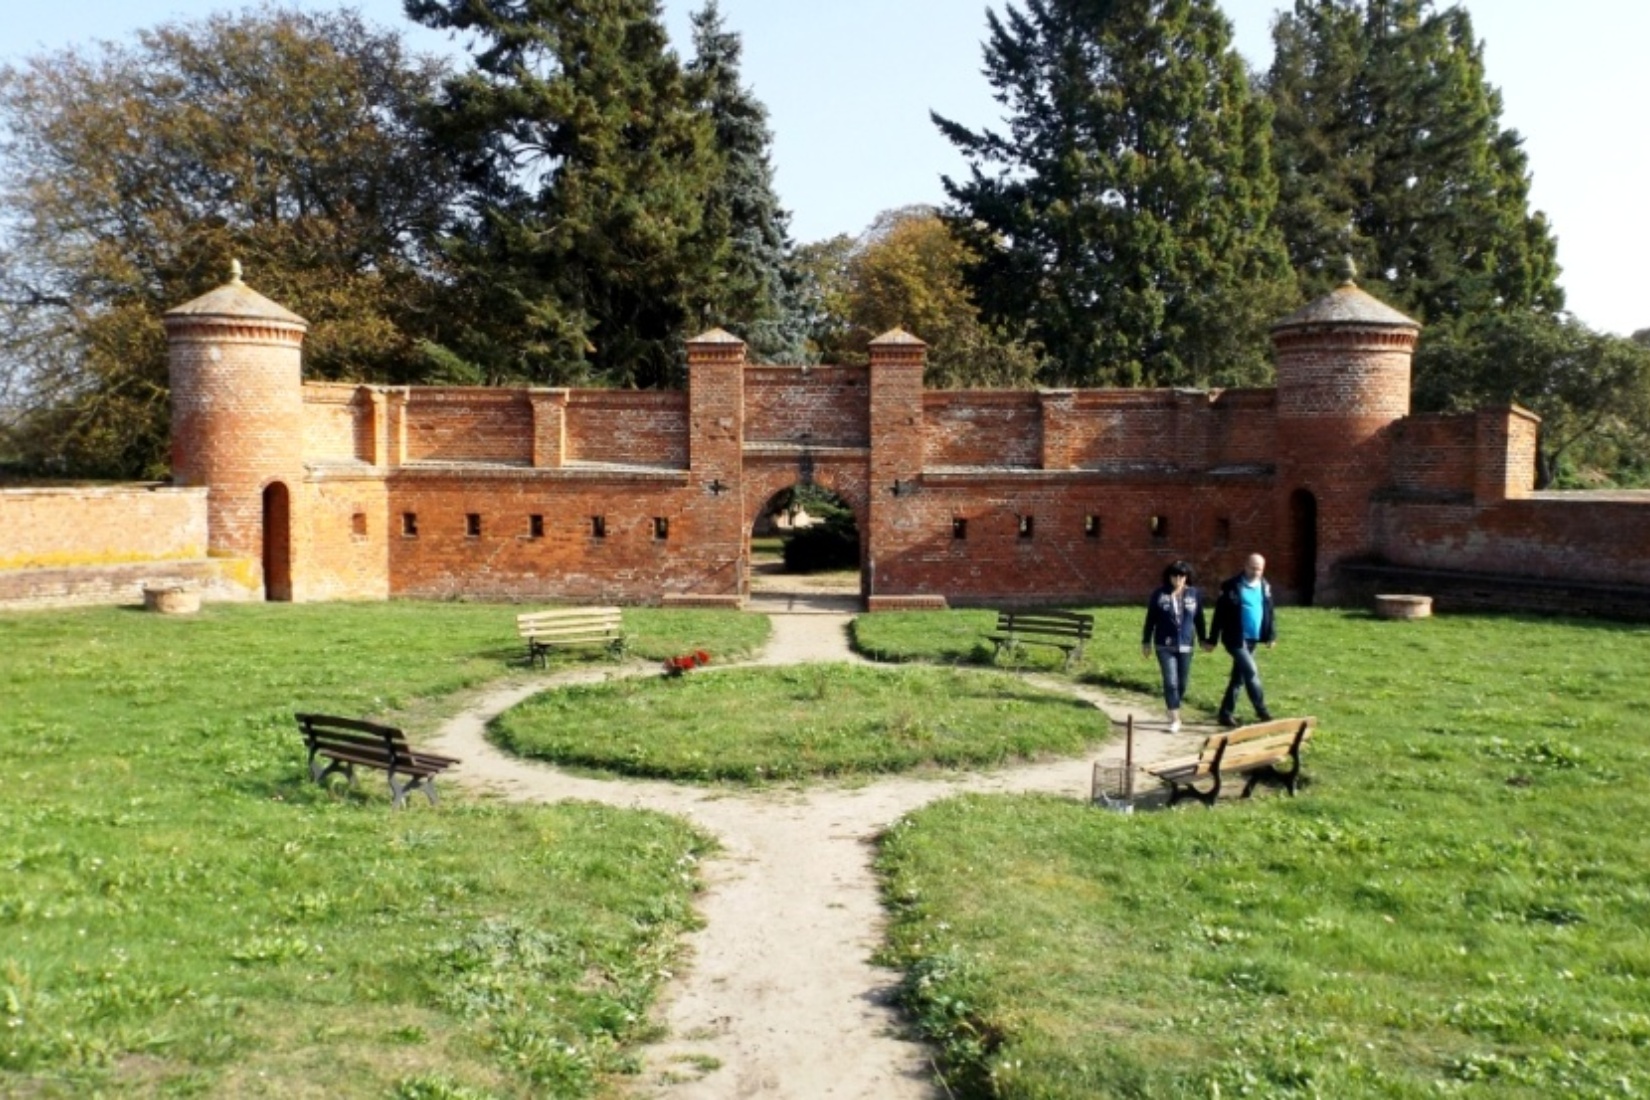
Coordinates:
<point>277,543</point>
<point>1303,524</point>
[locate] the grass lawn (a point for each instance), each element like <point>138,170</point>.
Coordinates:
<point>1458,903</point>
<point>183,913</point>
<point>758,725</point>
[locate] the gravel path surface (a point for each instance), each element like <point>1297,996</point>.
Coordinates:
<point>779,999</point>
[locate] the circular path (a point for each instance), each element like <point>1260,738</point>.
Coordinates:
<point>779,998</point>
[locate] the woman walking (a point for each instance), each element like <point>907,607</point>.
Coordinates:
<point>1174,627</point>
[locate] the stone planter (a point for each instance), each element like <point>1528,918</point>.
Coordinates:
<point>171,599</point>
<point>1403,607</point>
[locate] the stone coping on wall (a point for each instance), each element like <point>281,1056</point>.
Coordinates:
<point>1591,496</point>
<point>508,471</point>
<point>765,448</point>
<point>82,490</point>
<point>1130,471</point>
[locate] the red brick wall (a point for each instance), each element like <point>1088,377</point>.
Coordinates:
<point>627,427</point>
<point>1060,561</point>
<point>338,423</point>
<point>1435,455</point>
<point>104,545</point>
<point>468,425</point>
<point>629,564</point>
<point>1591,536</point>
<point>1507,440</point>
<point>982,428</point>
<point>818,406</point>
<point>54,528</point>
<point>344,542</point>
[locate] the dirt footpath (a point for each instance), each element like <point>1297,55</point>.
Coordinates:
<point>779,998</point>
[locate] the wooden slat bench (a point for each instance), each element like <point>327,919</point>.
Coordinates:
<point>1064,630</point>
<point>347,742</point>
<point>1258,751</point>
<point>567,627</point>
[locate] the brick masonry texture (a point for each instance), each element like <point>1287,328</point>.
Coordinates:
<point>338,491</point>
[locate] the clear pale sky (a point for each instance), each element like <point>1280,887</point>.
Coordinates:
<point>849,84</point>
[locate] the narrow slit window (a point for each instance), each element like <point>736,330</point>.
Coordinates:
<point>358,525</point>
<point>1027,526</point>
<point>959,528</point>
<point>535,527</point>
<point>1091,527</point>
<point>1223,531</point>
<point>598,527</point>
<point>661,528</point>
<point>472,524</point>
<point>1160,527</point>
<point>409,524</point>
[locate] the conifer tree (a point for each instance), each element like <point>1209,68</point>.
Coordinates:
<point>585,252</point>
<point>756,294</point>
<point>1124,217</point>
<point>1388,143</point>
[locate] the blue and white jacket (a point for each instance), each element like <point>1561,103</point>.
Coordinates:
<point>1175,628</point>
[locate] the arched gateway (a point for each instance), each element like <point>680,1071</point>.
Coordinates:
<point>961,496</point>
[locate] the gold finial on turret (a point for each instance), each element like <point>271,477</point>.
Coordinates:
<point>1349,270</point>
<point>235,271</point>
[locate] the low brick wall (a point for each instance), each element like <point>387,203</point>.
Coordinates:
<point>89,545</point>
<point>1453,591</point>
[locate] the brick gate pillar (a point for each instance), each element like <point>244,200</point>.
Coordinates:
<point>1343,379</point>
<point>715,512</point>
<point>892,506</point>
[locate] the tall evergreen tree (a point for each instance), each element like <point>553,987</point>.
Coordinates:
<point>590,166</point>
<point>1125,215</point>
<point>756,296</point>
<point>1388,143</point>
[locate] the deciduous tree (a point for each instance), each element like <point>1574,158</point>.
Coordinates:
<point>1592,390</point>
<point>131,175</point>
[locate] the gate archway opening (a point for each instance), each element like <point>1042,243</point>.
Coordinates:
<point>805,541</point>
<point>277,549</point>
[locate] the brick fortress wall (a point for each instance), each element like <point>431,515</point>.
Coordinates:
<point>331,491</point>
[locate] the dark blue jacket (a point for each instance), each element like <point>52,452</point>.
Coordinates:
<point>1227,628</point>
<point>1161,629</point>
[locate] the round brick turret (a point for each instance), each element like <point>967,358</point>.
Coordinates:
<point>1343,379</point>
<point>235,360</point>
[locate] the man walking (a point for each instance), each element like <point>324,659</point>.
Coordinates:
<point>1243,620</point>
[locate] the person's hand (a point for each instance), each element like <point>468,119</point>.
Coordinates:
<point>1271,645</point>
<point>1145,651</point>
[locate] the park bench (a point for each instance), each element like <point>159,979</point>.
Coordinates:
<point>1064,630</point>
<point>347,742</point>
<point>567,627</point>
<point>1256,751</point>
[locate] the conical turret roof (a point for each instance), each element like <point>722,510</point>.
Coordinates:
<point>235,301</point>
<point>1347,304</point>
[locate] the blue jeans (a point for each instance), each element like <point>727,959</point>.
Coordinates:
<point>1245,674</point>
<point>1177,671</point>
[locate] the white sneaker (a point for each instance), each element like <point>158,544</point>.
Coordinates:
<point>1174,727</point>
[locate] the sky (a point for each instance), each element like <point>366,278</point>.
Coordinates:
<point>849,85</point>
